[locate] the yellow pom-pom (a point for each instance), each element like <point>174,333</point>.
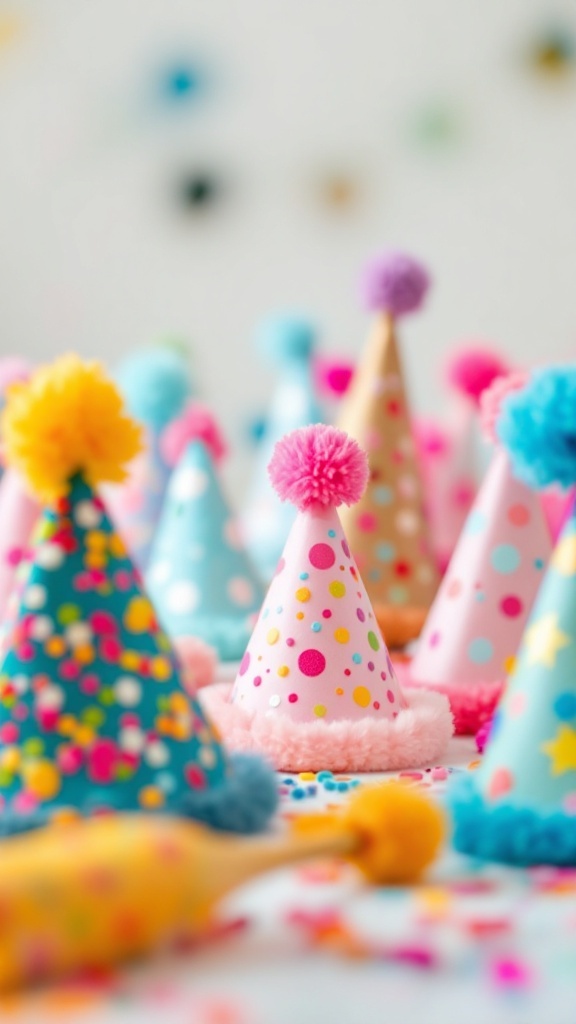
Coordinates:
<point>400,832</point>
<point>67,419</point>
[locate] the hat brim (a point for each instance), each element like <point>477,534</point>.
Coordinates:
<point>472,704</point>
<point>244,802</point>
<point>417,736</point>
<point>522,836</point>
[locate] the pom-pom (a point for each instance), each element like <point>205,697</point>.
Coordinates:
<point>67,419</point>
<point>472,369</point>
<point>198,660</point>
<point>195,424</point>
<point>319,465</point>
<point>431,438</point>
<point>538,427</point>
<point>285,339</point>
<point>13,370</point>
<point>156,384</point>
<point>333,376</point>
<point>394,283</point>
<point>491,400</point>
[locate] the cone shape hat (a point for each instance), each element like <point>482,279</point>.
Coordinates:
<point>200,577</point>
<point>474,628</point>
<point>266,520</point>
<point>93,713</point>
<point>18,514</point>
<point>316,687</point>
<point>522,804</point>
<point>387,529</point>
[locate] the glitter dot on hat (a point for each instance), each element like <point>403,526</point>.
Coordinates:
<point>337,648</point>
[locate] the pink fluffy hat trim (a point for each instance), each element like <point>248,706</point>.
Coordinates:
<point>316,687</point>
<point>473,631</point>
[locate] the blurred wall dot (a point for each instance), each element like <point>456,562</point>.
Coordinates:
<point>552,54</point>
<point>338,190</point>
<point>435,126</point>
<point>181,82</point>
<point>11,27</point>
<point>198,190</point>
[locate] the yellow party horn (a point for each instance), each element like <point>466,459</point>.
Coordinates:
<point>89,894</point>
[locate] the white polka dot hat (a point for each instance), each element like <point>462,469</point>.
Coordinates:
<point>94,717</point>
<point>473,631</point>
<point>316,688</point>
<point>200,577</point>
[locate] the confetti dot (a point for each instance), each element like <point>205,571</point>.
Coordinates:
<point>299,615</point>
<point>337,589</point>
<point>341,635</point>
<point>339,691</point>
<point>373,641</point>
<point>272,636</point>
<point>511,606</point>
<point>360,615</point>
<point>361,696</point>
<point>182,597</point>
<point>128,691</point>
<point>257,680</point>
<point>383,495</point>
<point>385,552</point>
<point>320,710</point>
<point>565,706</point>
<point>316,627</point>
<point>407,522</point>
<point>390,696</point>
<point>480,650</point>
<point>501,782</point>
<point>321,556</point>
<point>326,614</point>
<point>518,515</point>
<point>357,659</point>
<point>303,594</point>
<point>274,701</point>
<point>367,522</point>
<point>49,556</point>
<point>304,575</point>
<point>244,664</point>
<point>311,662</point>
<point>345,548</point>
<point>283,671</point>
<point>292,698</point>
<point>87,515</point>
<point>505,558</point>
<point>151,797</point>
<point>42,779</point>
<point>35,596</point>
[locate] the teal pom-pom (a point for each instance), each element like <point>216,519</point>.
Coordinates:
<point>285,339</point>
<point>156,384</point>
<point>538,427</point>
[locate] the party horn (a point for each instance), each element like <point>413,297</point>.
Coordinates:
<point>86,895</point>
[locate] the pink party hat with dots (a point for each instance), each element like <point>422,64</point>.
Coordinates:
<point>316,688</point>
<point>472,634</point>
<point>18,515</point>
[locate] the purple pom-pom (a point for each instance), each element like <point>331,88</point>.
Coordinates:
<point>394,283</point>
<point>319,465</point>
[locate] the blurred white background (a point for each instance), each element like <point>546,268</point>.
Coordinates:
<point>454,132</point>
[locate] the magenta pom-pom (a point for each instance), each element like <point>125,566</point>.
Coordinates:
<point>195,424</point>
<point>394,283</point>
<point>333,376</point>
<point>12,370</point>
<point>319,465</point>
<point>491,400</point>
<point>473,368</point>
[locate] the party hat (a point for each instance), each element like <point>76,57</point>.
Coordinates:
<point>18,514</point>
<point>155,383</point>
<point>475,625</point>
<point>289,342</point>
<point>316,688</point>
<point>199,575</point>
<point>387,529</point>
<point>449,486</point>
<point>520,806</point>
<point>93,713</point>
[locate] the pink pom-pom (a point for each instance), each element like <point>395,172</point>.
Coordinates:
<point>195,424</point>
<point>319,465</point>
<point>12,370</point>
<point>491,400</point>
<point>431,439</point>
<point>198,661</point>
<point>333,376</point>
<point>394,283</point>
<point>472,369</point>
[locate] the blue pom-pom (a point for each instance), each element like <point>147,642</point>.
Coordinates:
<point>538,427</point>
<point>155,383</point>
<point>243,803</point>
<point>285,339</point>
<point>523,836</point>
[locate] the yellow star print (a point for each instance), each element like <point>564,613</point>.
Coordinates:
<point>564,557</point>
<point>544,640</point>
<point>562,751</point>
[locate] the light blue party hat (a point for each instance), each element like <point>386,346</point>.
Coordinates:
<point>200,577</point>
<point>155,383</point>
<point>520,806</point>
<point>93,713</point>
<point>288,341</point>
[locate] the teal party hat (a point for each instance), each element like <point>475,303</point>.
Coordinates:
<point>93,713</point>
<point>289,342</point>
<point>520,806</point>
<point>155,383</point>
<point>200,577</point>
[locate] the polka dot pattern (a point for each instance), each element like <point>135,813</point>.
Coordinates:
<point>316,645</point>
<point>89,692</point>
